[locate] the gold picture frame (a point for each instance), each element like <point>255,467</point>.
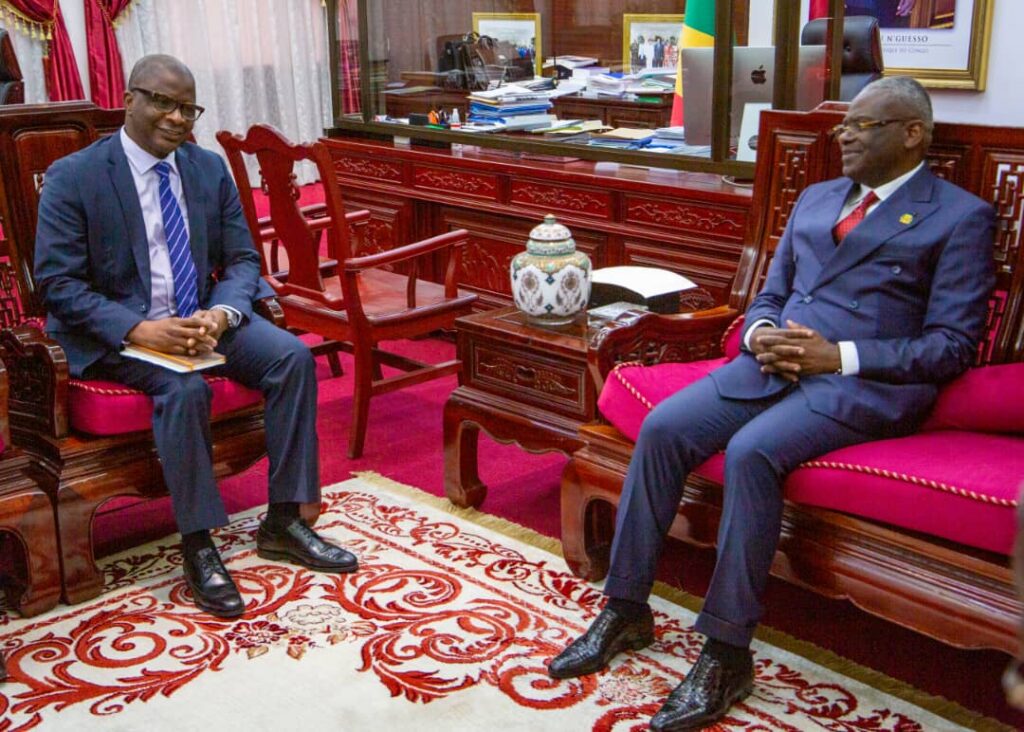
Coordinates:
<point>942,45</point>
<point>517,28</point>
<point>639,52</point>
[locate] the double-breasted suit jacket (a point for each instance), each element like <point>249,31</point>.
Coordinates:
<point>908,286</point>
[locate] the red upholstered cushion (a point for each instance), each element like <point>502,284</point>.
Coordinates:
<point>985,399</point>
<point>960,486</point>
<point>108,408</point>
<point>632,390</point>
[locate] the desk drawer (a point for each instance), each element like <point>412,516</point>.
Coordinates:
<point>526,377</point>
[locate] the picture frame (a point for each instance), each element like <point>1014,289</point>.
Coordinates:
<point>521,29</point>
<point>944,44</point>
<point>650,41</point>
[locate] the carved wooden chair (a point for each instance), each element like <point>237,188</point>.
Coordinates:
<point>89,441</point>
<point>12,84</point>
<point>26,517</point>
<point>955,592</point>
<point>366,301</point>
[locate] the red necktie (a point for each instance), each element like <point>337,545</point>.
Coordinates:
<point>855,216</point>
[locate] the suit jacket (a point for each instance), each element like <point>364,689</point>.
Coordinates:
<point>92,256</point>
<point>909,286</point>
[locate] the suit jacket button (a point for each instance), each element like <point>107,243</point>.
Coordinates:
<point>896,269</point>
<point>142,308</point>
<point>854,304</point>
<point>807,299</point>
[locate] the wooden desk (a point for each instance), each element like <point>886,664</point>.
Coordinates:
<point>521,383</point>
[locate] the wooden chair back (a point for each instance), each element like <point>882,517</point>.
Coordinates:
<point>298,233</point>
<point>31,138</point>
<point>796,150</point>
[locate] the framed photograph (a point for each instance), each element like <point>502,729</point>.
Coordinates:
<point>519,29</point>
<point>650,42</point>
<point>941,43</point>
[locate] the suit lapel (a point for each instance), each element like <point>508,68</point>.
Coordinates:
<point>903,210</point>
<point>192,187</point>
<point>819,232</point>
<point>128,196</point>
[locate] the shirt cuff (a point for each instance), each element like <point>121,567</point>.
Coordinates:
<point>849,361</point>
<point>234,317</point>
<point>754,326</point>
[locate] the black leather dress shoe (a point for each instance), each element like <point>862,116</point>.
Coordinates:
<point>609,634</point>
<point>299,544</point>
<point>712,686</point>
<point>212,587</point>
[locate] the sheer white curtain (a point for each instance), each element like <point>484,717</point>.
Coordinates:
<point>254,61</point>
<point>29,52</point>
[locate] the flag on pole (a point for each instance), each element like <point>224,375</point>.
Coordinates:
<point>698,30</point>
<point>819,9</point>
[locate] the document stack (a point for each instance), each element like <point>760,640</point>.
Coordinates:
<point>514,106</point>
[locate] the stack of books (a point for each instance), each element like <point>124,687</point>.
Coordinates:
<point>625,138</point>
<point>514,106</point>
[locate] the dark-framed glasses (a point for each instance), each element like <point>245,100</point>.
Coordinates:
<point>860,125</point>
<point>165,105</point>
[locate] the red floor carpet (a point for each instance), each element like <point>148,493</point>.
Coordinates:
<point>404,442</point>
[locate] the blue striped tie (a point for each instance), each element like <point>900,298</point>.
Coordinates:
<point>183,269</point>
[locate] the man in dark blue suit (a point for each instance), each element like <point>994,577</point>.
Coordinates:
<point>876,295</point>
<point>890,13</point>
<point>141,240</point>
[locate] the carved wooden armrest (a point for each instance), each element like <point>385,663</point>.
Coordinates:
<point>650,338</point>
<point>270,308</point>
<point>38,371</point>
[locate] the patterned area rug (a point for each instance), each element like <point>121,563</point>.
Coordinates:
<point>447,626</point>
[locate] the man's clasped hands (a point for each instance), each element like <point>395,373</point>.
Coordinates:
<point>794,351</point>
<point>195,335</point>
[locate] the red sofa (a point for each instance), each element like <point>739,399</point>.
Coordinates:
<point>917,530</point>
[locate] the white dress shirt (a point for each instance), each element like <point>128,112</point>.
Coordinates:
<point>162,303</point>
<point>848,358</point>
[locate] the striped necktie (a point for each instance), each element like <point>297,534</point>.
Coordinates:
<point>183,269</point>
<point>855,216</point>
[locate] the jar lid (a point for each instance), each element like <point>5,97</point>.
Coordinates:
<point>550,239</point>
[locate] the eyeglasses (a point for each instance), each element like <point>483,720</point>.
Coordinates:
<point>858,126</point>
<point>165,105</point>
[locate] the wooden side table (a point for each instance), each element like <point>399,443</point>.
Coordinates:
<point>521,383</point>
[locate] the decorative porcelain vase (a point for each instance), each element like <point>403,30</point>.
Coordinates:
<point>551,280</point>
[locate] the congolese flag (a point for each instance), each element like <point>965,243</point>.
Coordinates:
<point>819,9</point>
<point>698,30</point>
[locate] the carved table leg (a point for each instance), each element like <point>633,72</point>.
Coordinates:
<point>462,484</point>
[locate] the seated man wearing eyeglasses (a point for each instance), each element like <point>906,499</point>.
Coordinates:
<point>141,240</point>
<point>876,294</point>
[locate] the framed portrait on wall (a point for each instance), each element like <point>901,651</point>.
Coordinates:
<point>941,43</point>
<point>650,41</point>
<point>522,30</point>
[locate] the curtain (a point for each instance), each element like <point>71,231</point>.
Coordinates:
<point>106,73</point>
<point>253,60</point>
<point>348,40</point>
<point>43,21</point>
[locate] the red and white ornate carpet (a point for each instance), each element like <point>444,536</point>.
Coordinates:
<point>447,626</point>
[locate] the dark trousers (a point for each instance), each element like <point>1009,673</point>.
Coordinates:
<point>884,10</point>
<point>764,439</point>
<point>261,356</point>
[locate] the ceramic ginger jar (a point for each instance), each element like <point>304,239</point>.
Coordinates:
<point>551,280</point>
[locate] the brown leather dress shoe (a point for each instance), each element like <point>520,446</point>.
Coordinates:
<point>609,634</point>
<point>706,694</point>
<point>299,544</point>
<point>212,587</point>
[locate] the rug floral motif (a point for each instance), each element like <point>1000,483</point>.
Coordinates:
<point>447,625</point>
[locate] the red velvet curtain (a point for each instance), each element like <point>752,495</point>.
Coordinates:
<point>62,79</point>
<point>348,41</point>
<point>106,74</point>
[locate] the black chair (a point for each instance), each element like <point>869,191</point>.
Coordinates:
<point>12,88</point>
<point>862,51</point>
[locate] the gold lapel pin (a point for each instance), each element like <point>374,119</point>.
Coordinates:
<point>906,218</point>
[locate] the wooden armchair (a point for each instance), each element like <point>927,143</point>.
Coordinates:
<point>56,419</point>
<point>366,301</point>
<point>954,592</point>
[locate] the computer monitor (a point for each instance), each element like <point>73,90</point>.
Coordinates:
<point>753,81</point>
